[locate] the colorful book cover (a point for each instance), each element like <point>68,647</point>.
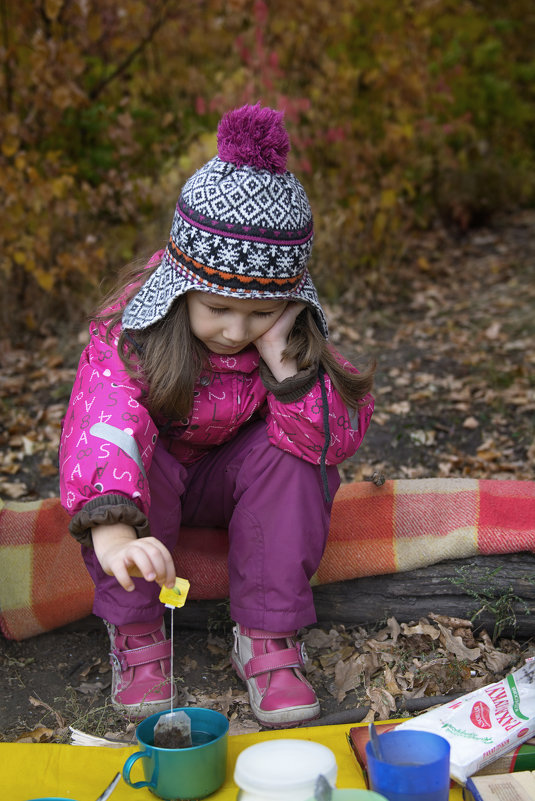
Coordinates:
<point>518,786</point>
<point>358,737</point>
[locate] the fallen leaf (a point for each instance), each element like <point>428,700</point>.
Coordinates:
<point>390,682</point>
<point>225,701</point>
<point>394,628</point>
<point>451,622</point>
<point>92,688</point>
<point>84,673</point>
<point>38,703</point>
<point>120,736</point>
<point>317,638</point>
<point>456,646</point>
<point>416,692</point>
<point>243,727</point>
<point>347,674</point>
<point>420,628</point>
<point>497,662</point>
<point>13,489</point>
<point>41,734</point>
<point>470,423</point>
<point>493,331</point>
<point>401,408</point>
<point>421,437</point>
<point>382,702</point>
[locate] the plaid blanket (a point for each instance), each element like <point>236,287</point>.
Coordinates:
<point>403,525</point>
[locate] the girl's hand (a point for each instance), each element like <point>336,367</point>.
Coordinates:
<point>122,554</point>
<point>272,343</point>
<point>277,335</point>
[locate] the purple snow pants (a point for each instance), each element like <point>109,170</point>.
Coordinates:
<point>274,507</point>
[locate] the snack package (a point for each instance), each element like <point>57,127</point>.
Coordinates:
<point>173,730</point>
<point>483,724</point>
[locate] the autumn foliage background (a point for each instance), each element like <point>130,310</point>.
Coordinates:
<point>401,114</point>
<point>412,124</point>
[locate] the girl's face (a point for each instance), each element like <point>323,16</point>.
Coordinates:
<point>228,325</point>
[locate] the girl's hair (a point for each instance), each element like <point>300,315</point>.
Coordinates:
<point>171,357</point>
<point>307,345</point>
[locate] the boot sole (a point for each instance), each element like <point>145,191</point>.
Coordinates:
<point>145,708</point>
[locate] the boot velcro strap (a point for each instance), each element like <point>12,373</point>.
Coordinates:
<point>260,634</point>
<point>142,656</point>
<point>265,663</point>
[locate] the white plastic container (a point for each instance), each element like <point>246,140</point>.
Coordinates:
<point>283,770</point>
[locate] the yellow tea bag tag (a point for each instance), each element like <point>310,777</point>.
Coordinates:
<point>175,596</point>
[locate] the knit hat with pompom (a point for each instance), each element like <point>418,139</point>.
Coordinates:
<point>242,225</point>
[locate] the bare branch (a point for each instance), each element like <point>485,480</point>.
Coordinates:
<point>120,68</point>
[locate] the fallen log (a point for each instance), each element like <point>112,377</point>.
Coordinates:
<point>496,591</point>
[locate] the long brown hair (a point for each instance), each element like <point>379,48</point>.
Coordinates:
<point>307,345</point>
<point>171,357</point>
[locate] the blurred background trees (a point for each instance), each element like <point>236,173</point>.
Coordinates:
<point>402,114</point>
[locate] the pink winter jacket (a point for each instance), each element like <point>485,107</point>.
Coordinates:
<point>108,437</point>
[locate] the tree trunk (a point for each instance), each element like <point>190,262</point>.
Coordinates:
<point>498,592</point>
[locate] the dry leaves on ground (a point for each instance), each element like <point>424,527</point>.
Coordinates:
<point>385,670</point>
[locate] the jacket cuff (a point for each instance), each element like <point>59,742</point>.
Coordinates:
<point>106,510</point>
<point>291,389</point>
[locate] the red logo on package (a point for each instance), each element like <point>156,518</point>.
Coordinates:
<point>480,715</point>
<point>522,732</point>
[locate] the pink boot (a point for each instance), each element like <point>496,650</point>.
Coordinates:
<point>269,663</point>
<point>140,657</point>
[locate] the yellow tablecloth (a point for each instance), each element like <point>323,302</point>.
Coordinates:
<point>82,772</point>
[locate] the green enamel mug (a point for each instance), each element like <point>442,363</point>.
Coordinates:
<point>182,773</point>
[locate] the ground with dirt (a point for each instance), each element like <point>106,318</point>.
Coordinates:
<point>453,338</point>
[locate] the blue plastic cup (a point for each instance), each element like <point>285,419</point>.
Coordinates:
<point>415,766</point>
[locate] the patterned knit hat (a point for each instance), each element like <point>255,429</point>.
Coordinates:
<point>242,226</point>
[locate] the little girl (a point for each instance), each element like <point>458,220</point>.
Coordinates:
<point>208,396</point>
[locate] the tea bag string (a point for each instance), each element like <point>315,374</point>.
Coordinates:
<point>172,657</point>
<point>173,597</point>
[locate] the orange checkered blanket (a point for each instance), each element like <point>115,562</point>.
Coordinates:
<point>403,525</point>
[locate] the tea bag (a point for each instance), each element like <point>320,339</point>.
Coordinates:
<point>173,730</point>
<point>175,597</point>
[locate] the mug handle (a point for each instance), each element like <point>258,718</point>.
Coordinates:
<point>128,767</point>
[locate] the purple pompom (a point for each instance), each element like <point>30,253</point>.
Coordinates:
<point>254,136</point>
